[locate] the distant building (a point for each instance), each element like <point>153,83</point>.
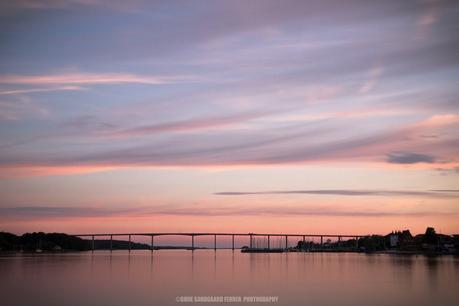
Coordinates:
<point>393,239</point>
<point>400,238</point>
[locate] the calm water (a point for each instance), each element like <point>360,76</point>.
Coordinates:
<point>295,278</point>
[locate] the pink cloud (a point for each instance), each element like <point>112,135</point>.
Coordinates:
<point>191,124</point>
<point>426,144</point>
<point>34,90</point>
<point>372,80</point>
<point>89,78</point>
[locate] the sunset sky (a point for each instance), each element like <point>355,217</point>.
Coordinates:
<point>229,116</point>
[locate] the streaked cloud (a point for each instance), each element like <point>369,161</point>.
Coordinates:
<point>192,124</point>
<point>409,158</point>
<point>67,4</point>
<point>373,78</point>
<point>91,212</point>
<point>292,144</point>
<point>35,90</point>
<point>380,193</point>
<point>88,78</point>
<point>20,107</point>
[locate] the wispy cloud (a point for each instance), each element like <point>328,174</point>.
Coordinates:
<point>35,90</point>
<point>44,212</point>
<point>373,78</point>
<point>409,158</point>
<point>247,66</point>
<point>291,144</point>
<point>19,107</point>
<point>89,78</point>
<point>64,211</point>
<point>343,192</point>
<point>68,4</point>
<point>192,124</point>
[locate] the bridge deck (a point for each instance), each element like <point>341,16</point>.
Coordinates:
<point>222,234</point>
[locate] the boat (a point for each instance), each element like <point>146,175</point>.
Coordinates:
<point>262,250</point>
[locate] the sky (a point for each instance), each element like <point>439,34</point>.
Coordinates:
<point>332,117</point>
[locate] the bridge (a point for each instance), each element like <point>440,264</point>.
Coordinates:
<point>215,235</point>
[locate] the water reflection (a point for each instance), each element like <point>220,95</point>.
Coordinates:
<point>192,265</point>
<point>145,278</point>
<point>432,271</point>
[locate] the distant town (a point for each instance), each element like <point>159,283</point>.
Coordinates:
<point>401,242</point>
<point>396,242</point>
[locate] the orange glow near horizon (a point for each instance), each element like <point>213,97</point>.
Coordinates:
<point>236,224</point>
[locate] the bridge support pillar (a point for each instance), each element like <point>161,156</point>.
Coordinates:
<point>152,242</point>
<point>356,243</point>
<point>250,241</point>
<point>111,243</point>
<point>233,241</point>
<point>192,242</point>
<point>215,242</point>
<point>93,243</point>
<point>129,243</point>
<point>269,242</point>
<point>286,242</point>
<point>321,241</point>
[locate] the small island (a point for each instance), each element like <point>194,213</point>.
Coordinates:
<point>58,242</point>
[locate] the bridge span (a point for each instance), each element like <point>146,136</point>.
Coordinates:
<point>215,235</point>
